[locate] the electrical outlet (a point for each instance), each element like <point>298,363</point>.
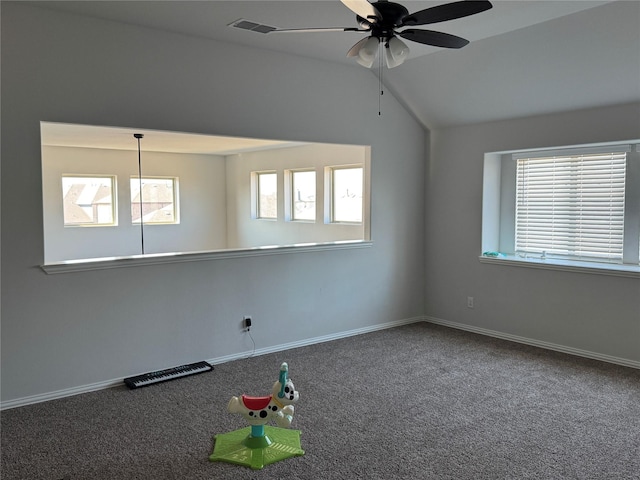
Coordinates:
<point>469,302</point>
<point>247,322</point>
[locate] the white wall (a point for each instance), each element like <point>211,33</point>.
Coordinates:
<point>201,186</point>
<point>244,231</point>
<point>590,313</point>
<point>65,331</point>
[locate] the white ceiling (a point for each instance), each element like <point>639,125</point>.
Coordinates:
<point>119,138</point>
<point>498,75</point>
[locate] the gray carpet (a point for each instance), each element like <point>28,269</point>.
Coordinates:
<point>416,402</point>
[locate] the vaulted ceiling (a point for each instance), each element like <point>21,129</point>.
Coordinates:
<point>525,57</point>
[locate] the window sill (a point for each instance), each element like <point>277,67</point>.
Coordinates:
<point>164,258</point>
<point>617,270</point>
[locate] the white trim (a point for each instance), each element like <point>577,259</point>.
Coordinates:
<point>21,402</point>
<point>612,269</point>
<point>536,343</point>
<point>162,258</point>
<point>68,392</point>
<point>567,152</point>
<point>316,340</point>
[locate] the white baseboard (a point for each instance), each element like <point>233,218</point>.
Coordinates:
<point>536,343</point>
<point>68,392</point>
<point>315,340</point>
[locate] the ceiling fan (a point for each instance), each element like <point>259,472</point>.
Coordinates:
<point>383,20</point>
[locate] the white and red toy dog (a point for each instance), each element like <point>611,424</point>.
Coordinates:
<point>278,405</point>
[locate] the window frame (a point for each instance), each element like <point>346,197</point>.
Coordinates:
<point>329,196</point>
<point>499,203</point>
<point>175,202</point>
<point>255,195</point>
<point>290,192</point>
<point>114,201</point>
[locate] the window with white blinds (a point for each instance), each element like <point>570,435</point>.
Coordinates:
<point>571,205</point>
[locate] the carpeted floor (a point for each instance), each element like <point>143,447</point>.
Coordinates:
<point>415,402</point>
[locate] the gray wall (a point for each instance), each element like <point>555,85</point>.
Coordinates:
<point>584,312</point>
<point>65,331</point>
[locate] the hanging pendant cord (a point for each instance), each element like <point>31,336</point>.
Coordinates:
<point>139,136</point>
<point>380,84</point>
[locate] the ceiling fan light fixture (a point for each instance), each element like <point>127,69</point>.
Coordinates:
<point>353,51</point>
<point>391,62</point>
<point>396,52</point>
<point>365,63</point>
<point>385,21</point>
<point>368,51</point>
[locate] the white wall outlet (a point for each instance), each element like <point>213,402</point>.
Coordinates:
<point>470,302</point>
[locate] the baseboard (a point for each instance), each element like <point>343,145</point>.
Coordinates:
<point>68,392</point>
<point>20,402</point>
<point>316,340</point>
<point>536,343</point>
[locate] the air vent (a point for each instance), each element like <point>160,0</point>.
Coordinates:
<point>253,26</point>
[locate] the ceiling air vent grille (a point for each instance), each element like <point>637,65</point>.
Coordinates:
<point>253,26</point>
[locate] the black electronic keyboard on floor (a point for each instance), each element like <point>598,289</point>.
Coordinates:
<point>167,374</point>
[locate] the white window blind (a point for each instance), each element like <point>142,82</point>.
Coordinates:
<point>571,206</point>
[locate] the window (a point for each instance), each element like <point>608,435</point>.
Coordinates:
<point>301,195</point>
<point>573,206</point>
<point>88,200</point>
<point>157,202</point>
<point>267,195</point>
<point>346,194</point>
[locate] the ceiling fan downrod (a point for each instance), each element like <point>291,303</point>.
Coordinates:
<point>391,17</point>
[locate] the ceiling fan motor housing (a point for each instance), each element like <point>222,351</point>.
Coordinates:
<point>392,16</point>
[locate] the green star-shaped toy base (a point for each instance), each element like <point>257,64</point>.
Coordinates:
<point>240,448</point>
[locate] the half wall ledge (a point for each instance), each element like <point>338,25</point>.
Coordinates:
<point>183,257</point>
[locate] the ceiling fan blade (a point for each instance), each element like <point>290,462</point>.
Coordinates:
<point>261,28</point>
<point>436,39</point>
<point>353,51</point>
<point>448,11</point>
<point>317,30</point>
<point>364,9</point>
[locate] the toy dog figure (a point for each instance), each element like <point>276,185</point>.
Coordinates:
<point>278,405</point>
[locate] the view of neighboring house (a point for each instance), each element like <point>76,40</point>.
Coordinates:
<point>87,200</point>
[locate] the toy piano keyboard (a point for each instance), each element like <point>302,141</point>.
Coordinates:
<point>167,374</point>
